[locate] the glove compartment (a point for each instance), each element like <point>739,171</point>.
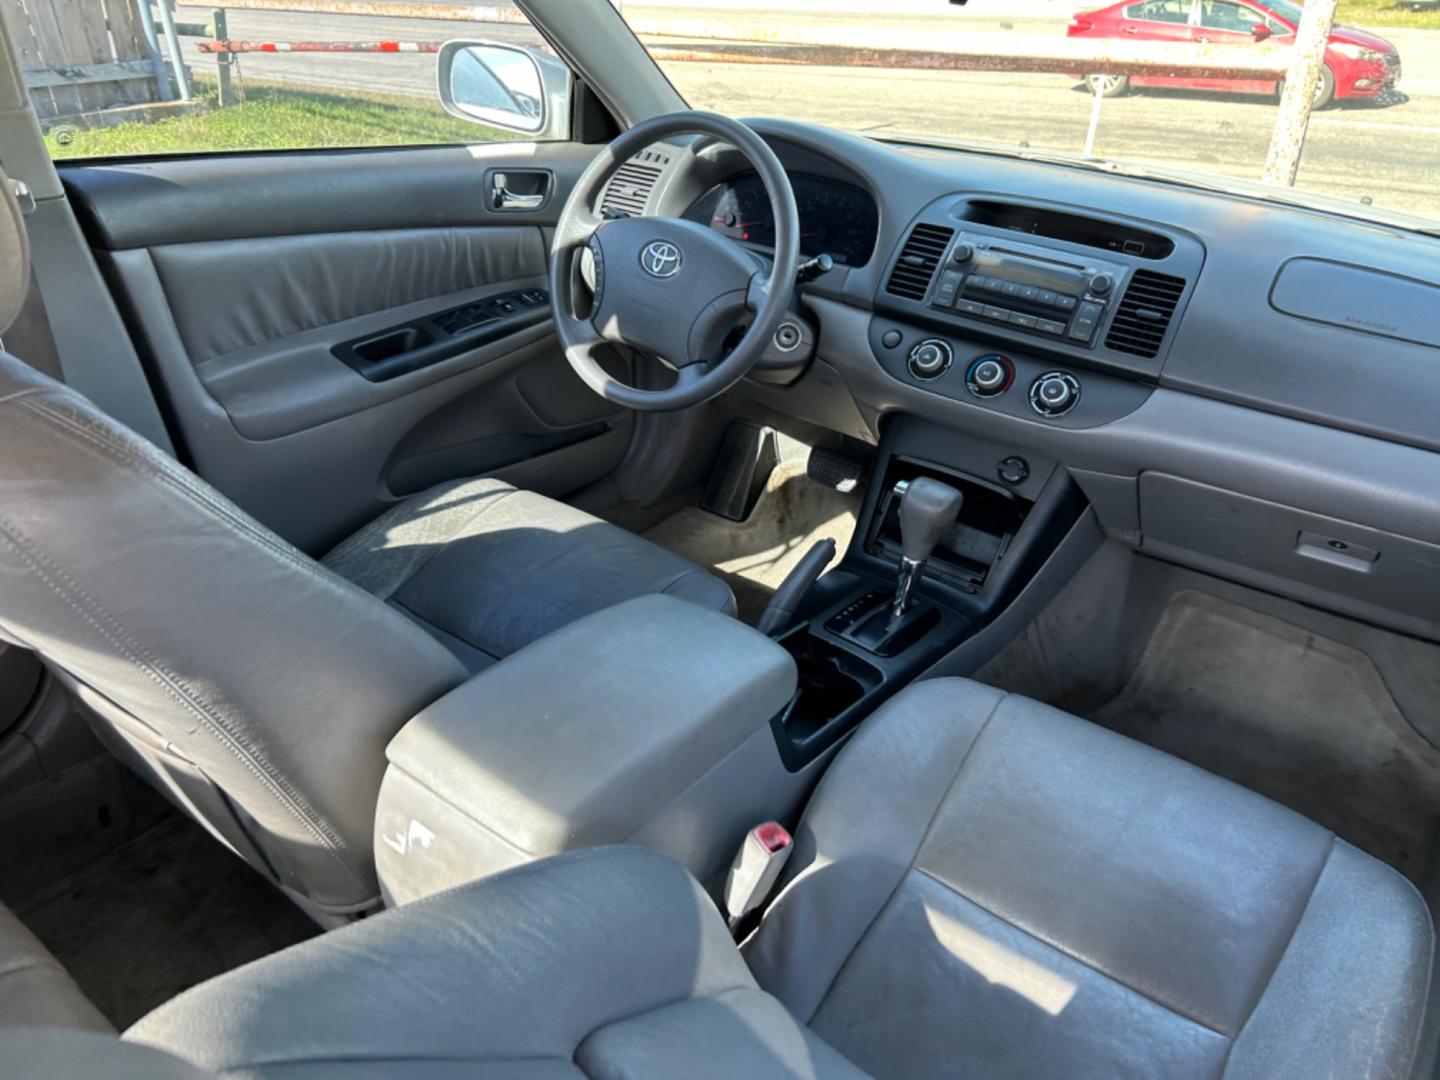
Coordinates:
<point>1382,577</point>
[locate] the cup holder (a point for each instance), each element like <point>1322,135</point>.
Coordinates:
<point>831,681</point>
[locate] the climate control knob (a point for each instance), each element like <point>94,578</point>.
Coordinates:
<point>989,376</point>
<point>930,358</point>
<point>1054,393</point>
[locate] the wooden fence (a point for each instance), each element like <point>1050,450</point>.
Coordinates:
<point>81,56</point>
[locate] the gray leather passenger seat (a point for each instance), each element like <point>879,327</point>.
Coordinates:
<point>982,887</point>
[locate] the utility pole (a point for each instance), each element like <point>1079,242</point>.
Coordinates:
<point>1293,120</point>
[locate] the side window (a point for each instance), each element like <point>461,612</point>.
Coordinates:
<point>105,81</point>
<point>1221,15</point>
<point>1166,11</point>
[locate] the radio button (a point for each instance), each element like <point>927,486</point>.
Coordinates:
<point>1047,297</point>
<point>970,307</point>
<point>949,287</point>
<point>1009,288</point>
<point>1101,284</point>
<point>1065,303</point>
<point>992,312</point>
<point>1049,326</point>
<point>1086,319</point>
<point>1020,319</point>
<point>963,252</point>
<point>1029,292</point>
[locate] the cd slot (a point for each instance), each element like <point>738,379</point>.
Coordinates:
<point>1032,257</point>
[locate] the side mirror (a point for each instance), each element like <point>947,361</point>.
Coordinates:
<point>1260,31</point>
<point>505,86</point>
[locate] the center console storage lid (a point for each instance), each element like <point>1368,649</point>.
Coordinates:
<point>579,738</point>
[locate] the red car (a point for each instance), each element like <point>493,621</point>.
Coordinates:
<point>1357,64</point>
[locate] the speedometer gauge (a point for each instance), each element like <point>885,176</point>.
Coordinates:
<point>835,218</point>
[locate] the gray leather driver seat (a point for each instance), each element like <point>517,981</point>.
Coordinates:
<point>256,686</point>
<point>981,887</point>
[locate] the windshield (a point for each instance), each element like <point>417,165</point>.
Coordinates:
<point>1187,88</point>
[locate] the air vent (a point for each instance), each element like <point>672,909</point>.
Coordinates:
<point>918,259</point>
<point>1144,313</point>
<point>629,189</point>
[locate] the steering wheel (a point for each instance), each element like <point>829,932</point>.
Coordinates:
<point>673,289</point>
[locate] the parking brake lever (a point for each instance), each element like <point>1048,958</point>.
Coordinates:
<point>927,509</point>
<point>781,610</point>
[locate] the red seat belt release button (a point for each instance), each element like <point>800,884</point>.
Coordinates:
<point>757,864</point>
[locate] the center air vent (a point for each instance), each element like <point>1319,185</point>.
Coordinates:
<point>629,189</point>
<point>918,259</point>
<point>1144,313</point>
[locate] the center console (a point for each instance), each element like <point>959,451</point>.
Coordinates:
<point>977,549</point>
<point>648,722</point>
<point>662,723</point>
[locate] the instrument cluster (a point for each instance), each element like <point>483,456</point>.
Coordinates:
<point>835,218</point>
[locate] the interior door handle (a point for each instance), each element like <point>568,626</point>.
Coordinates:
<point>502,198</point>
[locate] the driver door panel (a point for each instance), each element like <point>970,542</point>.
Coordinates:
<point>245,279</point>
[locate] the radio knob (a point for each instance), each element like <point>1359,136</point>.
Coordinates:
<point>930,358</point>
<point>1054,393</point>
<point>989,376</point>
<point>963,252</point>
<point>1101,284</point>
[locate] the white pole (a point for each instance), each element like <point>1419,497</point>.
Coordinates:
<point>1098,88</point>
<point>172,41</point>
<point>147,23</point>
<point>1282,164</point>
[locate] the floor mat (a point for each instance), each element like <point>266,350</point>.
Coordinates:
<point>1295,716</point>
<point>754,555</point>
<point>165,911</point>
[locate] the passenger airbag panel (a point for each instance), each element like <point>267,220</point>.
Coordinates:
<point>1356,298</point>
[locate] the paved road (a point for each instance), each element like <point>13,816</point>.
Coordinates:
<point>1388,154</point>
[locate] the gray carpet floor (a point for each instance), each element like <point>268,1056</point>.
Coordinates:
<point>159,914</point>
<point>1298,717</point>
<point>754,555</point>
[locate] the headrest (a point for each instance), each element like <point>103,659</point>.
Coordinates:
<point>14,257</point>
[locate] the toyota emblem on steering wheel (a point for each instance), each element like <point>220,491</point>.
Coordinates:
<point>660,259</point>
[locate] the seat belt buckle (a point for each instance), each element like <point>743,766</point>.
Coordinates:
<point>762,855</point>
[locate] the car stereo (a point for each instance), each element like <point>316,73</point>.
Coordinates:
<point>1027,287</point>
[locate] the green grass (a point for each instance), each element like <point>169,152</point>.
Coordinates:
<point>275,117</point>
<point>1387,13</point>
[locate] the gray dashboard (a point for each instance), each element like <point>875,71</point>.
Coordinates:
<point>1283,432</point>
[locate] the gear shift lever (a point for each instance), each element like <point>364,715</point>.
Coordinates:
<point>927,509</point>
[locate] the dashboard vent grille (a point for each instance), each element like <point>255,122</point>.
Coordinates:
<point>629,189</point>
<point>1144,313</point>
<point>918,259</point>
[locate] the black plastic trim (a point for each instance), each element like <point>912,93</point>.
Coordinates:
<point>422,342</point>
